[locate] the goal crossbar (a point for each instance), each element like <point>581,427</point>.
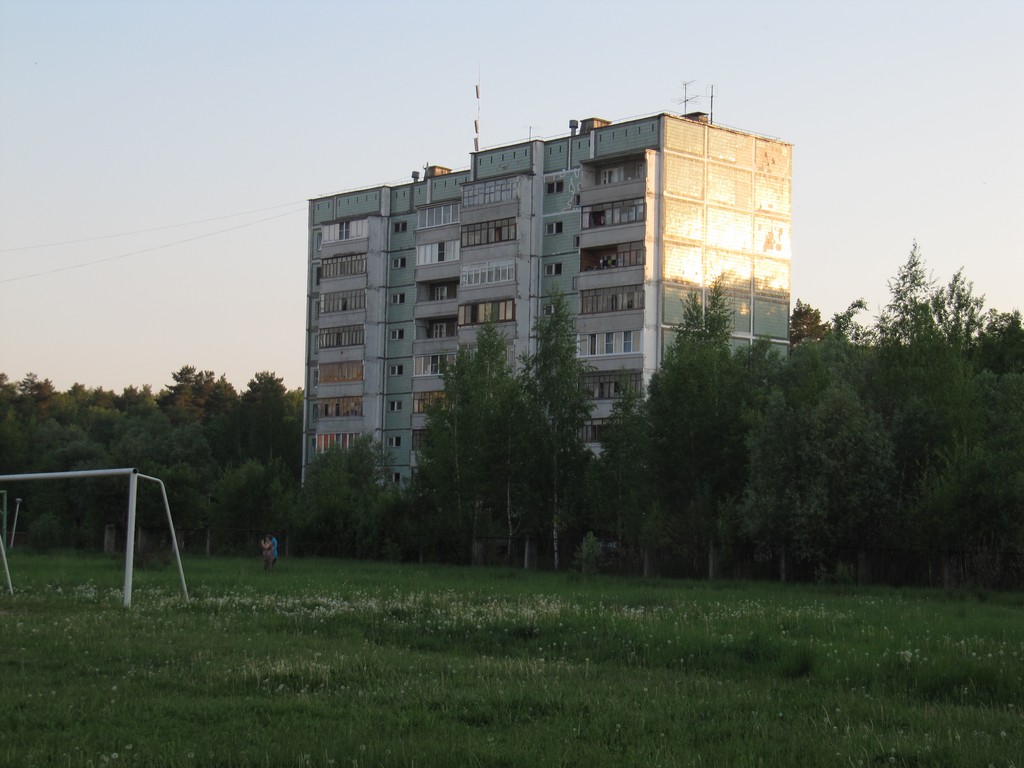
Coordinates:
<point>133,476</point>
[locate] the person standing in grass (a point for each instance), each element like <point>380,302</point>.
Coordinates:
<point>268,553</point>
<point>273,547</point>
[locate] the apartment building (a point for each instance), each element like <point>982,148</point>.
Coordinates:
<point>623,218</point>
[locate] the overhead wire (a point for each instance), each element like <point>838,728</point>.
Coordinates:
<point>144,231</point>
<point>151,249</point>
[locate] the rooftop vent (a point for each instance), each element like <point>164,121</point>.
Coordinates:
<point>592,123</point>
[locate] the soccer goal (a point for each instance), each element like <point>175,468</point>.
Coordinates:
<point>133,476</point>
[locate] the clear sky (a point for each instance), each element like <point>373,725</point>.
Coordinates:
<point>204,126</point>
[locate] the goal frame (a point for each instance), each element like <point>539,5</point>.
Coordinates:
<point>133,475</point>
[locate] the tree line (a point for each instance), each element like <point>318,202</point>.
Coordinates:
<point>867,443</point>
<point>893,447</point>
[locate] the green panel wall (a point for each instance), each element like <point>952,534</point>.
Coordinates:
<point>399,313</point>
<point>401,241</point>
<point>448,187</point>
<point>556,155</point>
<point>357,203</point>
<point>561,283</point>
<point>505,161</point>
<point>398,419</point>
<point>401,199</point>
<point>323,210</point>
<point>401,347</point>
<point>563,241</point>
<point>618,139</point>
<point>564,201</point>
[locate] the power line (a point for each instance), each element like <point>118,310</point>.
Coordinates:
<point>143,231</point>
<point>148,250</point>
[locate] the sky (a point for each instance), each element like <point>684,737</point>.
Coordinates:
<point>156,158</point>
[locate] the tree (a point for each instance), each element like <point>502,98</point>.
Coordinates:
<point>697,402</point>
<point>471,460</point>
<point>269,422</point>
<point>252,497</point>
<point>343,499</point>
<point>620,481</point>
<point>1000,347</point>
<point>805,324</point>
<point>553,381</point>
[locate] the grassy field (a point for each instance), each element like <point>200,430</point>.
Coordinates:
<point>331,663</point>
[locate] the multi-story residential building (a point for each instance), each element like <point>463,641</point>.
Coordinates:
<point>625,219</point>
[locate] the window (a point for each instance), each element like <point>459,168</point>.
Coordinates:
<point>438,216</point>
<point>398,298</point>
<point>613,299</point>
<point>549,309</point>
<point>345,230</point>
<point>442,292</point>
<point>342,301</point>
<point>400,226</point>
<point>609,257</point>
<point>340,406</point>
<point>340,266</point>
<point>553,228</point>
<point>487,192</point>
<point>608,385</point>
<point>499,311</point>
<point>608,214</point>
<point>397,334</point>
<point>435,253</point>
<point>496,231</point>
<point>592,432</point>
<point>442,329</point>
<point>609,343</point>
<point>331,373</point>
<point>431,365</point>
<point>396,478</point>
<point>398,263</point>
<point>423,400</point>
<point>342,336</point>
<point>395,442</point>
<point>394,405</point>
<point>396,370</point>
<point>339,439</point>
<point>555,187</point>
<point>612,175</point>
<point>553,269</point>
<point>489,272</point>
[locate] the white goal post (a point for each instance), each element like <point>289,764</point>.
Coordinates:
<point>133,475</point>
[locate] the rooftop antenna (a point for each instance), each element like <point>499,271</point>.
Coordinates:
<point>476,123</point>
<point>710,93</point>
<point>685,101</point>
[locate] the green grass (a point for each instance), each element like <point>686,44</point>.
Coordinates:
<point>332,663</point>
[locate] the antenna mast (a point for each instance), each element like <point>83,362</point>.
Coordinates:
<point>476,123</point>
<point>710,92</point>
<point>685,101</point>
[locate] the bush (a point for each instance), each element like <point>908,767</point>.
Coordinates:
<point>587,555</point>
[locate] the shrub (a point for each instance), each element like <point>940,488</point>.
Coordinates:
<point>587,555</point>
